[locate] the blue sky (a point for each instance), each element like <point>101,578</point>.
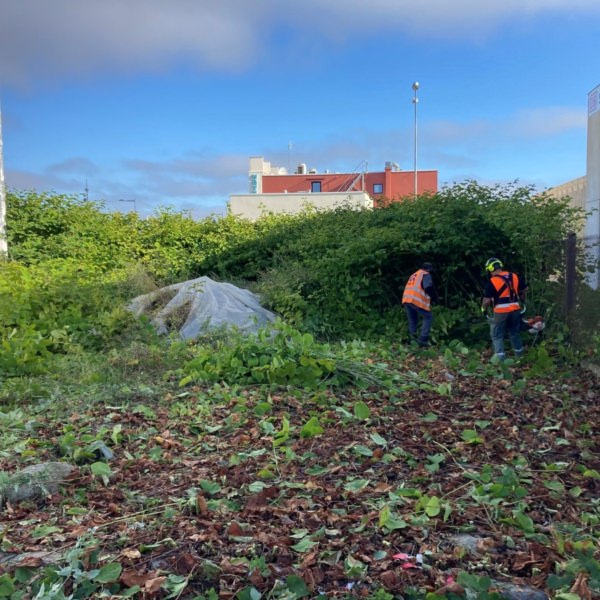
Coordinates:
<point>164,101</point>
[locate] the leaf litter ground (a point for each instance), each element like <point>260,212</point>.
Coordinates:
<point>355,491</point>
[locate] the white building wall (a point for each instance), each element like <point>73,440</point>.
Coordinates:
<point>259,167</point>
<point>592,205</point>
<point>253,206</point>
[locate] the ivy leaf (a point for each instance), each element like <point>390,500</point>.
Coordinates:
<point>317,470</point>
<point>249,593</point>
<point>377,439</point>
<point>474,582</point>
<point>43,531</point>
<point>297,585</point>
<point>311,428</point>
<point>299,534</point>
<point>210,487</point>
<point>343,412</point>
<point>7,587</point>
<point>115,436</point>
<point>555,486</point>
<point>101,469</point>
<point>470,436</point>
<point>363,450</point>
<point>361,411</point>
<point>357,485</point>
<point>256,486</point>
<point>304,545</point>
<point>429,417</point>
<point>524,522</point>
<point>108,573</point>
<point>388,520</point>
<point>433,507</point>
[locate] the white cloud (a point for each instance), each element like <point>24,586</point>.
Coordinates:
<point>78,165</point>
<point>203,185</point>
<point>457,149</point>
<point>531,124</point>
<point>64,38</point>
<point>69,37</point>
<point>548,121</point>
<point>464,18</point>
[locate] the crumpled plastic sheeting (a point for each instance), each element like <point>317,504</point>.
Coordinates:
<point>210,304</point>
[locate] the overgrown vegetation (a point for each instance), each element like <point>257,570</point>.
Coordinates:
<point>323,458</point>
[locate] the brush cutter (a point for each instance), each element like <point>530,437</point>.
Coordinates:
<point>534,325</point>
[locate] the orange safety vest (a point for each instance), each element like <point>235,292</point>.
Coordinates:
<point>414,292</point>
<point>506,285</point>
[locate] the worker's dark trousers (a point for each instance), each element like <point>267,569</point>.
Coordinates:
<point>414,313</point>
<point>501,324</point>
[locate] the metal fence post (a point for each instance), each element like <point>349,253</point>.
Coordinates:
<point>570,274</point>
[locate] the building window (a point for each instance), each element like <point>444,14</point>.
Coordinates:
<point>378,188</point>
<point>315,186</point>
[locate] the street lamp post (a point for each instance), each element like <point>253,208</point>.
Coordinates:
<point>130,200</point>
<point>415,87</point>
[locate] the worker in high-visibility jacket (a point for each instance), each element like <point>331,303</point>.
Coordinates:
<point>504,291</point>
<point>419,294</point>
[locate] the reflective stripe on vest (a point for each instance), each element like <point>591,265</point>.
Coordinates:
<point>507,299</point>
<point>414,292</point>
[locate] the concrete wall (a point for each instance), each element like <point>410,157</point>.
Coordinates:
<point>253,206</point>
<point>576,191</point>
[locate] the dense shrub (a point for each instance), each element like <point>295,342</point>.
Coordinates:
<point>336,273</point>
<point>59,306</point>
<point>341,273</point>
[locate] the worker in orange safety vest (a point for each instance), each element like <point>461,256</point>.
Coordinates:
<point>504,291</point>
<point>419,294</point>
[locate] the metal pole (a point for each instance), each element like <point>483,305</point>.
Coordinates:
<point>415,87</point>
<point>570,274</point>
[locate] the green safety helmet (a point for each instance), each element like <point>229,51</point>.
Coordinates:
<point>492,264</point>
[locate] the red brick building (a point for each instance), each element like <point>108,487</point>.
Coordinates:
<point>274,190</point>
<point>391,183</point>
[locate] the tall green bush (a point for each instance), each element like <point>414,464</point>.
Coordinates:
<point>345,270</point>
<point>58,306</point>
<point>336,273</point>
